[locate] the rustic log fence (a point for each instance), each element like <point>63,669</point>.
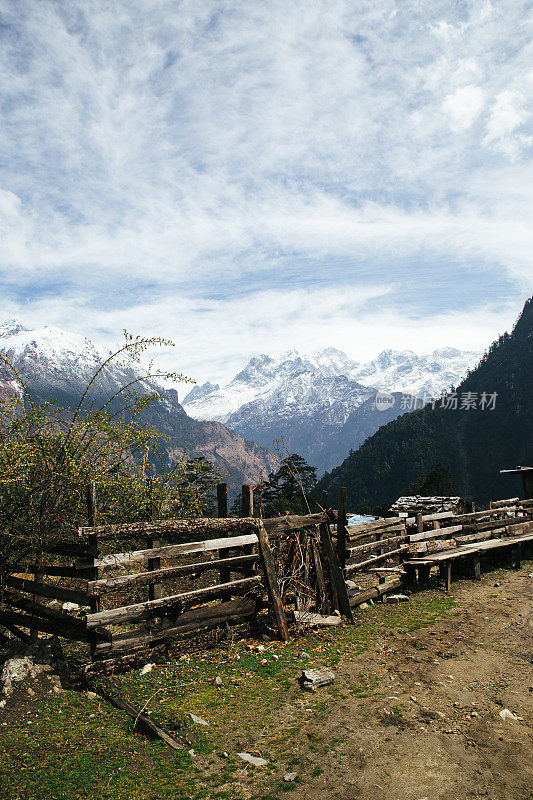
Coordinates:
<point>505,527</point>
<point>127,590</point>
<point>381,556</point>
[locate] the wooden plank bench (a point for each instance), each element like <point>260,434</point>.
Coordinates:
<point>419,569</point>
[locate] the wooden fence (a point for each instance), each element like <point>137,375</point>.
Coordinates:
<point>505,527</point>
<point>127,590</point>
<point>381,556</point>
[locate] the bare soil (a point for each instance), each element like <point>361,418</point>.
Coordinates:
<point>434,730</point>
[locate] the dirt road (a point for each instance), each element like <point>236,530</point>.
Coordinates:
<point>434,730</point>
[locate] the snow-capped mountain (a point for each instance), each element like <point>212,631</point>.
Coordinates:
<point>51,359</point>
<point>265,376</point>
<point>261,379</point>
<point>324,404</point>
<point>424,376</point>
<point>56,364</point>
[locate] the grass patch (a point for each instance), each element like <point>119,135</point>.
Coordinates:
<point>72,748</point>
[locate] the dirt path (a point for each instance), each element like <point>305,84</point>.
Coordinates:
<point>433,730</point>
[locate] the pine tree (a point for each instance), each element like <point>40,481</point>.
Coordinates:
<point>282,493</point>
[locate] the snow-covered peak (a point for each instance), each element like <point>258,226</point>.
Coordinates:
<point>200,392</point>
<point>335,361</point>
<point>406,371</point>
<point>263,369</point>
<point>262,378</point>
<point>267,377</point>
<point>10,327</point>
<point>447,352</point>
<point>60,346</point>
<point>52,358</point>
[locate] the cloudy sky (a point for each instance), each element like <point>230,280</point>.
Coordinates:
<point>251,176</point>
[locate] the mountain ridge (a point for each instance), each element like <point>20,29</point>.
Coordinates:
<point>391,370</point>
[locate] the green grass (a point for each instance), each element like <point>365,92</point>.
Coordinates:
<point>77,748</point>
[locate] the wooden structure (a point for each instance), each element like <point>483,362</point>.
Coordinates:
<point>507,526</point>
<point>128,589</point>
<point>369,552</point>
<point>381,555</point>
<point>527,479</point>
<point>373,558</point>
<point>308,567</point>
<point>413,504</point>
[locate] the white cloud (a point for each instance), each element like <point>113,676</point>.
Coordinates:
<point>507,114</point>
<point>158,155</point>
<point>15,229</point>
<point>464,106</point>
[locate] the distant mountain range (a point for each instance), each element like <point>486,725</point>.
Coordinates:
<point>488,427</point>
<point>324,404</point>
<point>56,364</point>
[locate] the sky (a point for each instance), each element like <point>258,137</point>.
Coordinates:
<point>249,176</point>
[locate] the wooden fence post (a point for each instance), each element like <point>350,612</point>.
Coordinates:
<point>448,575</point>
<point>154,589</point>
<point>336,576</point>
<point>272,582</point>
<point>247,505</point>
<point>95,604</point>
<point>247,510</point>
<point>34,632</point>
<point>527,484</point>
<point>322,597</point>
<point>341,526</point>
<point>419,522</point>
<point>517,555</point>
<point>477,567</point>
<point>222,502</point>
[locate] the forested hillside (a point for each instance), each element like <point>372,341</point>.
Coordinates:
<point>474,443</point>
